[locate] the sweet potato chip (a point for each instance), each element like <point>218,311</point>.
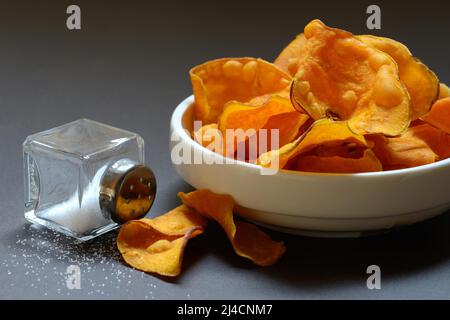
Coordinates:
<point>439,115</point>
<point>218,81</point>
<point>289,124</point>
<point>154,252</point>
<point>402,152</point>
<point>341,76</point>
<point>436,139</point>
<point>157,245</point>
<point>238,115</point>
<point>247,240</point>
<point>210,137</point>
<point>323,134</point>
<point>260,100</point>
<point>246,120</point>
<point>444,91</point>
<point>288,58</point>
<point>337,164</point>
<point>177,221</point>
<point>421,82</point>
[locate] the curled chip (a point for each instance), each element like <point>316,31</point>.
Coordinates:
<point>238,115</point>
<point>421,82</point>
<point>337,164</point>
<point>210,137</point>
<point>439,115</point>
<point>324,138</point>
<point>436,139</point>
<point>260,100</point>
<point>219,81</point>
<point>157,245</point>
<point>401,152</point>
<point>289,125</point>
<point>444,91</point>
<point>177,221</point>
<point>279,130</point>
<point>288,58</point>
<point>247,120</point>
<point>247,240</point>
<point>341,76</point>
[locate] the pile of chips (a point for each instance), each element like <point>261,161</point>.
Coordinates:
<point>341,103</point>
<point>157,245</point>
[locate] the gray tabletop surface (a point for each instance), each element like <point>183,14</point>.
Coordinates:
<point>128,67</point>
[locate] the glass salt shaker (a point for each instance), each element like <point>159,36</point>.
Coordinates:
<point>85,178</point>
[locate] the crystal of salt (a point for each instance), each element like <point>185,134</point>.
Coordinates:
<point>80,215</point>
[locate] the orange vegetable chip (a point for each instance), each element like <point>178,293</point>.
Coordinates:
<point>260,100</point>
<point>288,58</point>
<point>246,121</point>
<point>323,134</point>
<point>218,81</point>
<point>336,164</point>
<point>247,240</point>
<point>238,115</point>
<point>421,82</point>
<point>157,245</point>
<point>177,221</point>
<point>210,137</point>
<point>436,139</point>
<point>439,115</point>
<point>341,76</point>
<point>401,152</point>
<point>444,91</point>
<point>289,124</point>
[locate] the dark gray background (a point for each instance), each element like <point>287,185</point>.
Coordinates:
<point>128,67</point>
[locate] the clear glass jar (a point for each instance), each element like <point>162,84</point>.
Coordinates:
<point>84,178</point>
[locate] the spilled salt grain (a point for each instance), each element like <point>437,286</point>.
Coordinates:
<point>40,257</point>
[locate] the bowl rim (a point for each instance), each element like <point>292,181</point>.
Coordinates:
<point>177,126</point>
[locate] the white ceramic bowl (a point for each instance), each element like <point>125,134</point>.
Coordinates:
<point>314,203</point>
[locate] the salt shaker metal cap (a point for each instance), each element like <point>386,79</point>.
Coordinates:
<point>127,190</point>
